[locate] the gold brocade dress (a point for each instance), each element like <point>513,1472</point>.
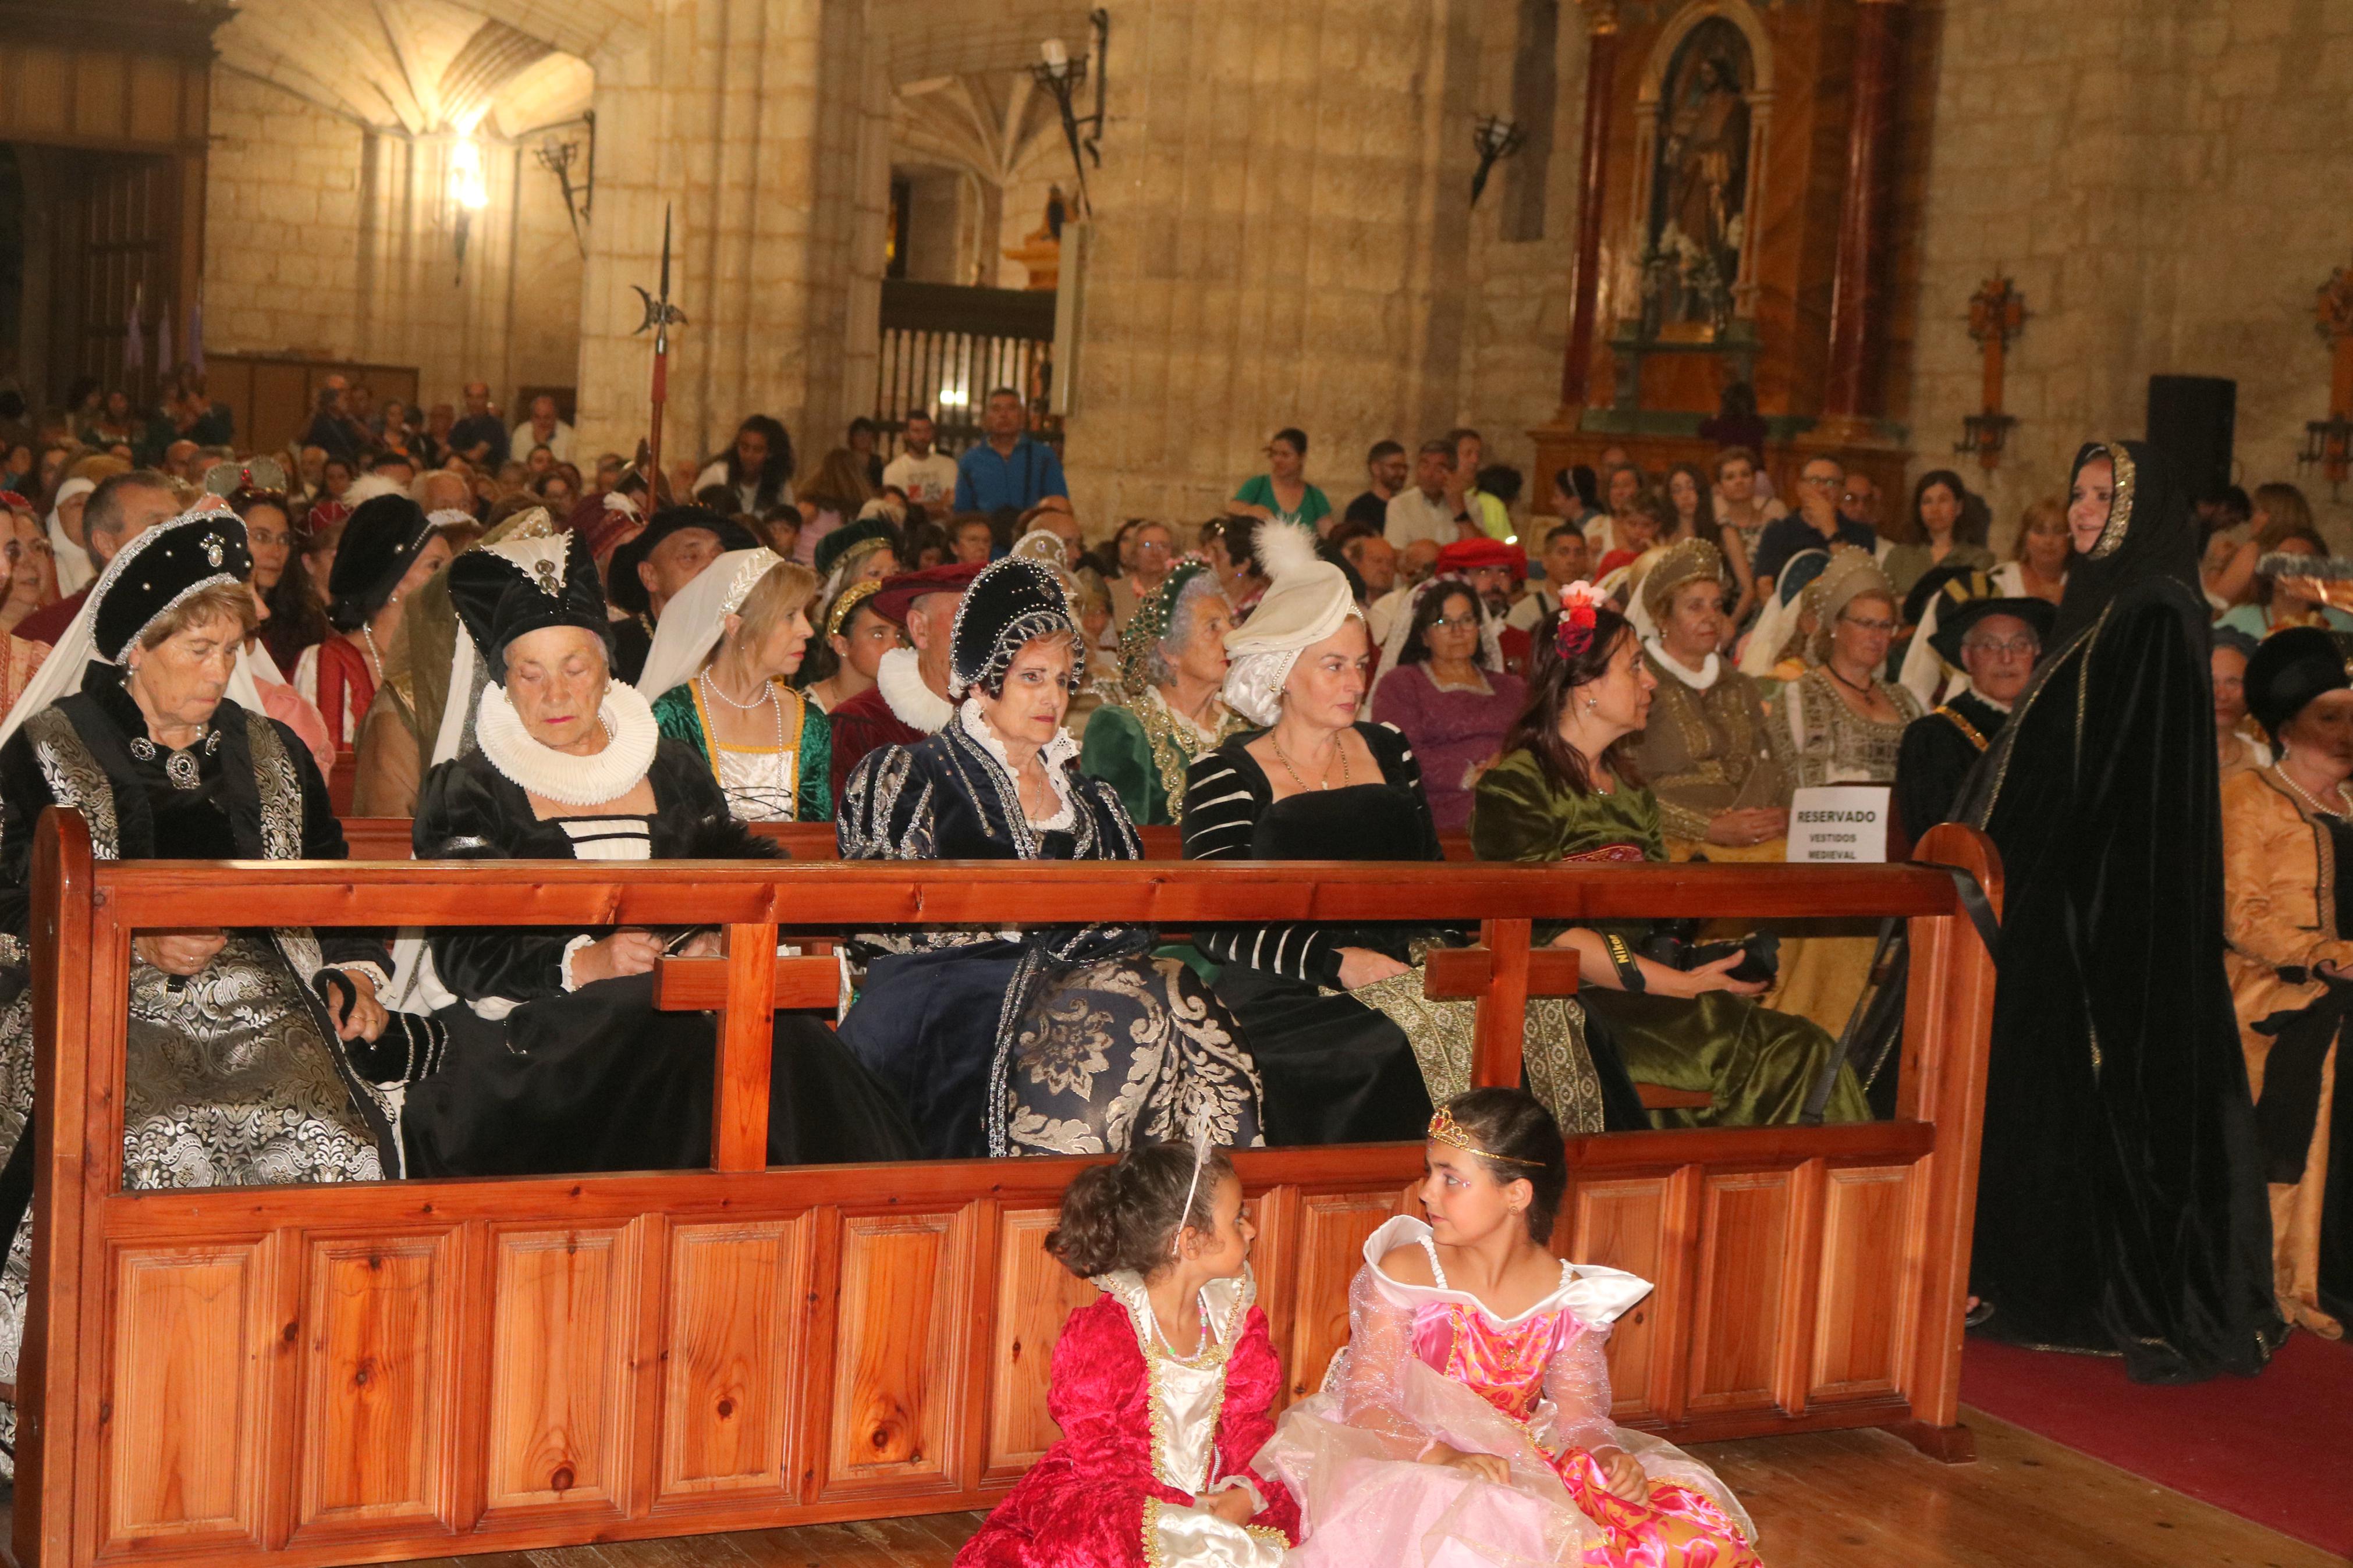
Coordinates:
<point>1758,1063</point>
<point>1707,752</point>
<point>2283,915</point>
<point>1825,969</point>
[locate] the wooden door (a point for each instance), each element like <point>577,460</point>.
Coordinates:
<point>117,240</point>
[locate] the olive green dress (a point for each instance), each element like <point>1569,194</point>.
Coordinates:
<point>1758,1064</point>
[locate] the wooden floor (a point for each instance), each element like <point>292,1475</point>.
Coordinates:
<point>1846,1500</point>
<point>1839,1499</point>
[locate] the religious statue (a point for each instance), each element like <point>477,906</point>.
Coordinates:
<point>1699,182</point>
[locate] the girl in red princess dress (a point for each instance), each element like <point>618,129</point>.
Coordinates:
<point>1162,1387</point>
<point>1467,1423</point>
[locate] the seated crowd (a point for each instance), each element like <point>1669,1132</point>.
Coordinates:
<point>202,656</point>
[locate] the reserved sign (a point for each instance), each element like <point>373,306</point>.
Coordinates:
<point>1840,822</point>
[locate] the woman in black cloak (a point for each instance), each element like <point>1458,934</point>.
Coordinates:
<point>2120,1195</point>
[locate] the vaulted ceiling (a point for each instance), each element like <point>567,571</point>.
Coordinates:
<point>416,66</point>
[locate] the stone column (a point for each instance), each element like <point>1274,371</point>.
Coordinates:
<point>1600,76</point>
<point>1855,290</point>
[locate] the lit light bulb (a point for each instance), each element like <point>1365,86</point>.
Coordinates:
<point>1057,57</point>
<point>466,184</point>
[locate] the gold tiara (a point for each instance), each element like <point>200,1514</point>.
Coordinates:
<point>1444,1129</point>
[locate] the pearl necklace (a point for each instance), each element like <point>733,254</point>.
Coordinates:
<point>2345,802</point>
<point>711,689</point>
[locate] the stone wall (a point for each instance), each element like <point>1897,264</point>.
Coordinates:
<point>2163,179</point>
<point>1279,240</point>
<point>327,238</point>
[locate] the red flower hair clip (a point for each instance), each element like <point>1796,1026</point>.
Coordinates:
<point>1579,602</point>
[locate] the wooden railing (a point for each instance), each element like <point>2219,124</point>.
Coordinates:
<point>359,1372</point>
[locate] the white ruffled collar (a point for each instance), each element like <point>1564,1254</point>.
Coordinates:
<point>1057,755</point>
<point>1698,680</point>
<point>630,733</point>
<point>917,706</point>
<point>1596,1295</point>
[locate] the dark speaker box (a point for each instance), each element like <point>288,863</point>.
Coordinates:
<point>2191,421</point>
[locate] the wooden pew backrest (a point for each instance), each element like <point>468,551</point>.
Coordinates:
<point>370,1371</point>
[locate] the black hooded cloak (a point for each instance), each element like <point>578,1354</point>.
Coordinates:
<point>2120,1197</point>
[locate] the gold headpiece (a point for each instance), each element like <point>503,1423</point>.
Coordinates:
<point>846,603</point>
<point>1444,1129</point>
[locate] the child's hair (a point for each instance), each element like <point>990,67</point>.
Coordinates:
<point>1126,1214</point>
<point>1514,1124</point>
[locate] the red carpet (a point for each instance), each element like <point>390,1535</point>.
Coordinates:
<point>2277,1448</point>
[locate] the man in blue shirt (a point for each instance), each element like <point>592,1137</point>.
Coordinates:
<point>1010,468</point>
<point>1815,525</point>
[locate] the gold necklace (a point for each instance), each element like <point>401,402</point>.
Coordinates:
<point>1327,783</point>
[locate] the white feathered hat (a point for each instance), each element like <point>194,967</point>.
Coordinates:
<point>1307,599</point>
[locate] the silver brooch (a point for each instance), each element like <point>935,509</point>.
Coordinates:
<point>143,749</point>
<point>181,770</point>
<point>213,548</point>
<point>543,572</point>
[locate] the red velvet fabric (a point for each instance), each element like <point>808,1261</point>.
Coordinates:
<point>1082,1504</point>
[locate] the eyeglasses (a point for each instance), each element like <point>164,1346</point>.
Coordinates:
<point>2007,648</point>
<point>1153,547</point>
<point>1455,623</point>
<point>1875,624</point>
<point>1819,482</point>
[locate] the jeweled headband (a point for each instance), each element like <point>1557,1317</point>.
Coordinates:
<point>846,603</point>
<point>1444,1129</point>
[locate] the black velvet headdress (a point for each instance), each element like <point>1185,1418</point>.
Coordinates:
<point>870,531</point>
<point>156,571</point>
<point>629,593</point>
<point>380,542</point>
<point>2149,537</point>
<point>2293,666</point>
<point>1013,602</point>
<point>505,590</point>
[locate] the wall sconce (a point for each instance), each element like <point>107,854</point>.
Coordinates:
<point>1996,312</point>
<point>1063,76</point>
<point>558,158</point>
<point>2328,443</point>
<point>468,190</point>
<point>1495,139</point>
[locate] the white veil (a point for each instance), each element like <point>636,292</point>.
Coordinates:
<point>691,622</point>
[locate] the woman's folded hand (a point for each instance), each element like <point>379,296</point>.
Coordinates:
<point>625,952</point>
<point>1361,966</point>
<point>180,952</point>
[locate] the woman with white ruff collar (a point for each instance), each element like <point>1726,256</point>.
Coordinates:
<point>1058,1040</point>
<point>558,1060</point>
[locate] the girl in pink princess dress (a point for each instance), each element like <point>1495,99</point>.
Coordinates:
<point>1467,1422</point>
<point>1163,1387</point>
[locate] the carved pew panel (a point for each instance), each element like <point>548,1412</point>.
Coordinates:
<point>379,1371</point>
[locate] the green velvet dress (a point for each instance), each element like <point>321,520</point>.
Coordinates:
<point>1141,748</point>
<point>1758,1064</point>
<point>761,786</point>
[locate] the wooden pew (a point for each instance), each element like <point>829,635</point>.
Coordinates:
<point>388,838</point>
<point>364,1373</point>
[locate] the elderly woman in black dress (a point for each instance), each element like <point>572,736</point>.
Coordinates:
<point>250,1055</point>
<point>1060,1040</point>
<point>558,1060</point>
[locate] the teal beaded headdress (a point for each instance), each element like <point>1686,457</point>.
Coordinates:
<point>1149,625</point>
